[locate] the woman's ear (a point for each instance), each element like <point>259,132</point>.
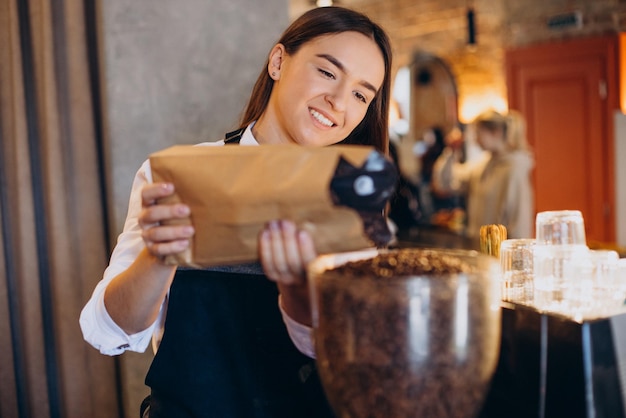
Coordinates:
<point>277,55</point>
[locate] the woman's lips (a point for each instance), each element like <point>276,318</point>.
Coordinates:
<point>321,118</point>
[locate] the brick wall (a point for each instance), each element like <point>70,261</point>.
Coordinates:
<point>440,27</point>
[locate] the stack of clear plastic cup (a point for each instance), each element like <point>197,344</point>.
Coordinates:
<point>594,290</point>
<point>516,260</point>
<point>605,278</point>
<point>561,240</point>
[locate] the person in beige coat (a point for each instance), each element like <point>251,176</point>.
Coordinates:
<point>497,185</point>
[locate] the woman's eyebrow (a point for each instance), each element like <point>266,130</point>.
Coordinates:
<point>341,67</point>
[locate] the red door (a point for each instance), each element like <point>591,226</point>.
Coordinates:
<point>567,91</point>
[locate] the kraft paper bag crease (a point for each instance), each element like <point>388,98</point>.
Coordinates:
<point>233,191</point>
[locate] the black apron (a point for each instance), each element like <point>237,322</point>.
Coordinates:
<point>226,352</point>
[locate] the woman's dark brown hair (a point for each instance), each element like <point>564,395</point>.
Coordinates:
<point>373,129</point>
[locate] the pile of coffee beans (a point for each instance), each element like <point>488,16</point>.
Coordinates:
<point>404,262</point>
<point>394,339</point>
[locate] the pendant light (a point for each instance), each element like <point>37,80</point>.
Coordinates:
<point>471,24</point>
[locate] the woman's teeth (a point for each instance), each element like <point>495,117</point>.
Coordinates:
<point>320,118</point>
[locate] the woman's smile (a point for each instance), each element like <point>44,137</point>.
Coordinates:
<point>321,119</point>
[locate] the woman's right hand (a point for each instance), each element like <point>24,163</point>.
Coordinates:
<point>162,240</point>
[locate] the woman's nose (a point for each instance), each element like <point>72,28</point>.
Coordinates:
<point>338,98</point>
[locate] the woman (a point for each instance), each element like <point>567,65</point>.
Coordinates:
<point>226,351</point>
<point>497,185</point>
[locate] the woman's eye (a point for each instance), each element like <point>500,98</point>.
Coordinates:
<point>360,97</point>
<point>326,73</point>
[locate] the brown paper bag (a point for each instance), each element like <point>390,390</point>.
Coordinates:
<point>233,191</point>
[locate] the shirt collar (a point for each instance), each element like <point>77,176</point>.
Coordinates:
<point>247,138</point>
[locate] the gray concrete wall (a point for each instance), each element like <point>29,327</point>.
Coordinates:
<point>174,72</point>
<point>178,72</point>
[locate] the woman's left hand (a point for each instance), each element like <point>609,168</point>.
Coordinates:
<point>285,253</point>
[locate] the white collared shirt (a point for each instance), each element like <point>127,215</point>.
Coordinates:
<point>98,327</point>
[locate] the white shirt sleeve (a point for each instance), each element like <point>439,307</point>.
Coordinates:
<point>98,328</point>
<point>301,335</point>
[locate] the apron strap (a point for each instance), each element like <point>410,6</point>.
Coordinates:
<point>234,137</point>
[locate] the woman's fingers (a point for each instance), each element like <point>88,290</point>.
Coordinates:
<point>285,252</point>
<point>154,191</point>
<point>151,215</point>
<point>307,247</point>
<point>293,262</point>
<point>274,257</point>
<point>161,239</point>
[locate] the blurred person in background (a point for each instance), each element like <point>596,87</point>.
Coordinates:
<point>497,185</point>
<point>445,210</point>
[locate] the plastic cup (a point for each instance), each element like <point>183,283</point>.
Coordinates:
<point>554,269</point>
<point>516,260</point>
<point>564,227</point>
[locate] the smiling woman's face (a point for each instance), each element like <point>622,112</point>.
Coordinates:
<point>322,92</point>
